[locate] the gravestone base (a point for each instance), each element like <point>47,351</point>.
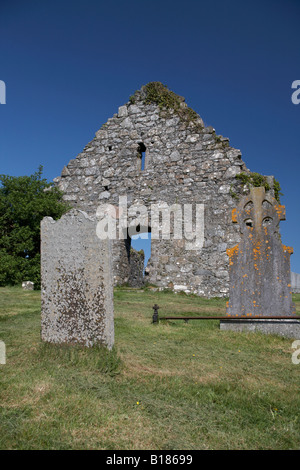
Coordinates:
<point>287,328</point>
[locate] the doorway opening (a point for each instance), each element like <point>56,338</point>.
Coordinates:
<point>140,253</point>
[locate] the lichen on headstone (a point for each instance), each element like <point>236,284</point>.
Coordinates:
<point>77,283</point>
<point>259,266</point>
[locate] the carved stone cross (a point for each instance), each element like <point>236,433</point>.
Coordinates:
<point>259,266</point>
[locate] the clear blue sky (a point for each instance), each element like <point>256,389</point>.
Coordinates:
<point>68,65</point>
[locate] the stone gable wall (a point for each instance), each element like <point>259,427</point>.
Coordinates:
<point>186,163</point>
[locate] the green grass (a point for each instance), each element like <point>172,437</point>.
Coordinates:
<point>167,386</point>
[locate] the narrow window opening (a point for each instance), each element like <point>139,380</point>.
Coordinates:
<point>141,156</point>
<point>143,161</point>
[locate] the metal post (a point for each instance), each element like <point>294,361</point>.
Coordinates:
<point>155,318</point>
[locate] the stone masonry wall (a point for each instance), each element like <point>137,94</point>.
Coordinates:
<point>186,163</point>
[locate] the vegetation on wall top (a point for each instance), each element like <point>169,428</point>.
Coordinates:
<point>257,180</point>
<point>166,100</point>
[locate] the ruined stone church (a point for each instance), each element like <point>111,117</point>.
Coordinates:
<point>184,162</point>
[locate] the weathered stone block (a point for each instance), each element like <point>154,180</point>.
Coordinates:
<point>27,285</point>
<point>122,112</point>
<point>77,283</point>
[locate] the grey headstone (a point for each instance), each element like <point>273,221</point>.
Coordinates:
<point>77,284</point>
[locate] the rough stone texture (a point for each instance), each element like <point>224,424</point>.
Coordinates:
<point>77,283</point>
<point>136,276</point>
<point>27,285</point>
<point>295,281</point>
<point>287,328</point>
<point>260,275</point>
<point>185,163</point>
